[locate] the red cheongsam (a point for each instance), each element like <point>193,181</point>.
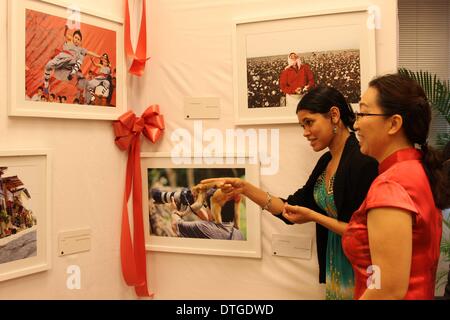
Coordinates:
<point>402,183</point>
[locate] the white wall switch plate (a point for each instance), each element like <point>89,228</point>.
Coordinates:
<point>201,108</point>
<point>70,242</point>
<point>292,246</point>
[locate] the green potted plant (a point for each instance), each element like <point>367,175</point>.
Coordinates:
<point>438,93</point>
<point>442,275</point>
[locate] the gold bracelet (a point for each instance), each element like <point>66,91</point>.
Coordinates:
<point>269,201</point>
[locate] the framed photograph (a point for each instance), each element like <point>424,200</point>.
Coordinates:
<point>64,62</point>
<point>278,59</point>
<point>25,214</point>
<point>182,217</point>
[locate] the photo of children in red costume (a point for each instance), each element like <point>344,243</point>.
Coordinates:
<point>69,63</point>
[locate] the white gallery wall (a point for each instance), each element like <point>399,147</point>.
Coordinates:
<point>190,46</point>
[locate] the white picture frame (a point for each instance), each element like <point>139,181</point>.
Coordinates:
<point>28,54</point>
<point>32,168</point>
<point>271,36</point>
<point>250,247</point>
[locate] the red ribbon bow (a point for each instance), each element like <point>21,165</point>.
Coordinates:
<point>127,130</point>
<point>140,56</point>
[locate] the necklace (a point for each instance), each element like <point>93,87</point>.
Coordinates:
<point>330,185</point>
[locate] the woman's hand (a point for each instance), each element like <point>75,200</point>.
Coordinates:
<point>297,214</point>
<point>229,186</point>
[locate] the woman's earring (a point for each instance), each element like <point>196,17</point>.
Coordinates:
<point>335,129</point>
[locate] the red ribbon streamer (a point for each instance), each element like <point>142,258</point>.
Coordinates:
<point>140,56</point>
<point>128,130</point>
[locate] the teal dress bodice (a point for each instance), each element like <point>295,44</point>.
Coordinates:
<point>339,272</point>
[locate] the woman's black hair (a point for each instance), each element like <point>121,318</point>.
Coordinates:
<point>398,94</point>
<point>446,151</point>
<point>446,156</point>
<point>322,98</point>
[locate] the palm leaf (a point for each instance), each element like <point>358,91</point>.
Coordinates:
<point>441,278</point>
<point>447,222</point>
<point>442,139</point>
<point>445,249</point>
<point>437,91</point>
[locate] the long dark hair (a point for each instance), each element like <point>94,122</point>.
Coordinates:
<point>320,100</point>
<point>446,154</point>
<point>398,94</point>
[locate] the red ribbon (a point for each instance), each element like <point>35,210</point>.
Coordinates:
<point>140,56</point>
<point>128,130</point>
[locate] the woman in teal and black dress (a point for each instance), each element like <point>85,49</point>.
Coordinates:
<point>335,189</point>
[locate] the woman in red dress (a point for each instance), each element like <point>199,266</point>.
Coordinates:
<point>393,239</point>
